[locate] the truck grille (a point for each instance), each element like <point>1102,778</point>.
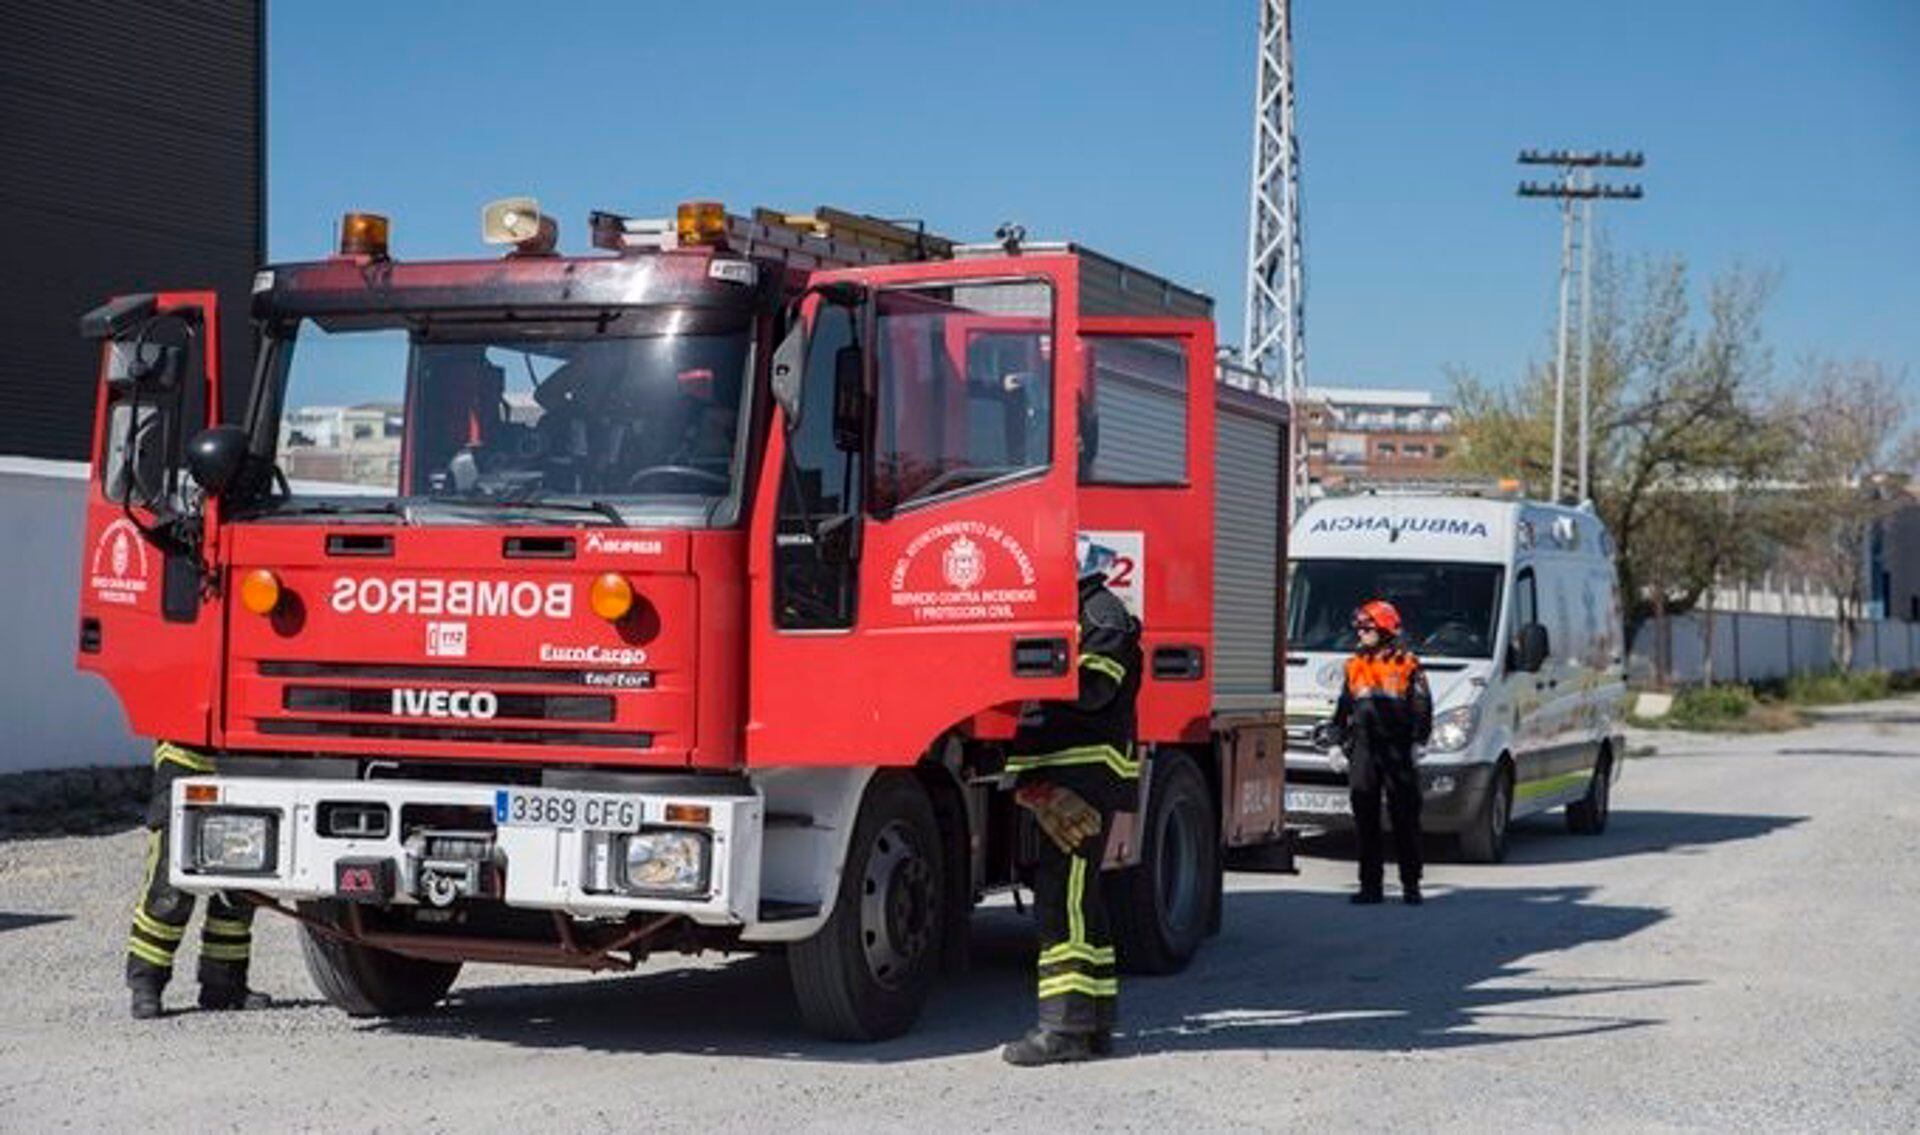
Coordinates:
<point>471,734</point>
<point>379,700</point>
<point>482,675</point>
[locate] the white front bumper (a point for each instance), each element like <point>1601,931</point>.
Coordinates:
<point>545,868</point>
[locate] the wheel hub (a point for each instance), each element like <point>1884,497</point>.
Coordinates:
<point>896,906</point>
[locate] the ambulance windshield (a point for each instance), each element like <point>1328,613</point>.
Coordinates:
<point>1451,610</point>
<point>637,411</point>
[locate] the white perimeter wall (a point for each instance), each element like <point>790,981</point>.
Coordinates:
<point>51,714</point>
<point>1750,647</point>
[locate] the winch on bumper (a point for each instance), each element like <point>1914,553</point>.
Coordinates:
<point>585,853</point>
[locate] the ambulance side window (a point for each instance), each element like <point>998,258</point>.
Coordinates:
<point>820,482</point>
<point>1526,605</point>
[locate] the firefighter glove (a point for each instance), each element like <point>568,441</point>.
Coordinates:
<point>1062,813</point>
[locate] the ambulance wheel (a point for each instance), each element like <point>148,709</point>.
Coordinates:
<point>1486,840</point>
<point>366,982</point>
<point>1588,815</point>
<point>867,972</point>
<point>1162,909</point>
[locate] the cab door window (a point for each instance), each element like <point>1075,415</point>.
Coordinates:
<point>820,488</point>
<point>963,378</point>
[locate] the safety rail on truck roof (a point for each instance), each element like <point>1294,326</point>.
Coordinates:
<point>837,238</point>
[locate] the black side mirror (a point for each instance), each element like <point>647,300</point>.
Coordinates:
<point>789,363</point>
<point>215,457</point>
<point>1089,437</point>
<point>849,398</point>
<point>835,539</point>
<point>1530,648</point>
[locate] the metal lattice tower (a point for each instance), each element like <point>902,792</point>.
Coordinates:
<point>1274,338</point>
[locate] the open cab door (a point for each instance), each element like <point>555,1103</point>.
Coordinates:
<point>913,540</point>
<point>147,622</point>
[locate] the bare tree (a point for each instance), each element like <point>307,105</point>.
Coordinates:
<point>1677,429</point>
<point>1853,456</point>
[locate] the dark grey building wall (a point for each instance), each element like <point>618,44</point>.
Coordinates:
<point>132,157</point>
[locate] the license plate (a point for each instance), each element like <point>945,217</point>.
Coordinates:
<point>1300,800</point>
<point>543,808</point>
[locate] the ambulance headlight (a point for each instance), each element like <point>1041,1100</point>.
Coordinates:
<point>1453,730</point>
<point>665,862</point>
<point>232,843</point>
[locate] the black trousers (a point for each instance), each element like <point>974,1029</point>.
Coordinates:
<point>1397,779</point>
<point>161,912</point>
<point>1078,990</point>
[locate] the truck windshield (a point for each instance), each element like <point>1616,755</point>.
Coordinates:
<point>631,415</point>
<point>1450,609</point>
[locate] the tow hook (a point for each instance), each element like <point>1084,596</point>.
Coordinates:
<point>447,866</point>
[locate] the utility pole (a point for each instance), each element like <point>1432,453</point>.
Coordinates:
<point>1576,191</point>
<point>1274,336</point>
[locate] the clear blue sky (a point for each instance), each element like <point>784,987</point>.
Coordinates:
<point>1780,135</point>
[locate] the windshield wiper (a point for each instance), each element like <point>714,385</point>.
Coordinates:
<point>535,504</point>
<point>328,508</point>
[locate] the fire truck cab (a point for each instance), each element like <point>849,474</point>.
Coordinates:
<point>564,609</point>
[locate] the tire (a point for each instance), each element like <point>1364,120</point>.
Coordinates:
<point>867,973</point>
<point>1162,909</point>
<point>1588,816</point>
<point>366,982</point>
<point>1486,840</point>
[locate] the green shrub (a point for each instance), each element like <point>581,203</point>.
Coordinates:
<point>1836,688</point>
<point>1711,707</point>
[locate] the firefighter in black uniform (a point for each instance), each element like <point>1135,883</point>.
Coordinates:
<point>1075,764</point>
<point>160,914</point>
<point>1385,709</point>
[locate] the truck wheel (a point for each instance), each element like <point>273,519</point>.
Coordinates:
<point>868,971</point>
<point>367,982</point>
<point>1161,909</point>
<point>1588,815</point>
<point>1486,840</point>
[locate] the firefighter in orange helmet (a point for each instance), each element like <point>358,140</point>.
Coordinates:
<point>1385,709</point>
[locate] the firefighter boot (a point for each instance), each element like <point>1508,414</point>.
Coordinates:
<point>1046,1046</point>
<point>1101,1039</point>
<point>146,989</point>
<point>223,986</point>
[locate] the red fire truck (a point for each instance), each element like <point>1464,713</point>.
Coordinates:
<point>682,595</point>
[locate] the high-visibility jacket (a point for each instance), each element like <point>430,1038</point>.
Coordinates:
<point>1385,706</point>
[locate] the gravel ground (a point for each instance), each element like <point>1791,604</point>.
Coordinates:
<point>1741,950</point>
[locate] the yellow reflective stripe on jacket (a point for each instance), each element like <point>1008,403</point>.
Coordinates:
<point>1101,664</point>
<point>150,953</point>
<point>154,928</point>
<point>1077,952</point>
<point>230,926</point>
<point>1079,983</point>
<point>224,951</point>
<point>1107,755</point>
<point>167,751</point>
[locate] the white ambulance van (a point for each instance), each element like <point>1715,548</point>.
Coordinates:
<point>1514,609</point>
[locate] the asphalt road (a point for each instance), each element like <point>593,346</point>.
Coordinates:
<point>1741,950</point>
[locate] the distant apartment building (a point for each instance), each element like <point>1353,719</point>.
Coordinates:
<point>1358,437</point>
<point>351,445</point>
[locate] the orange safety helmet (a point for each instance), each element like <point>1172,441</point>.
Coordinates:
<point>1381,614</point>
